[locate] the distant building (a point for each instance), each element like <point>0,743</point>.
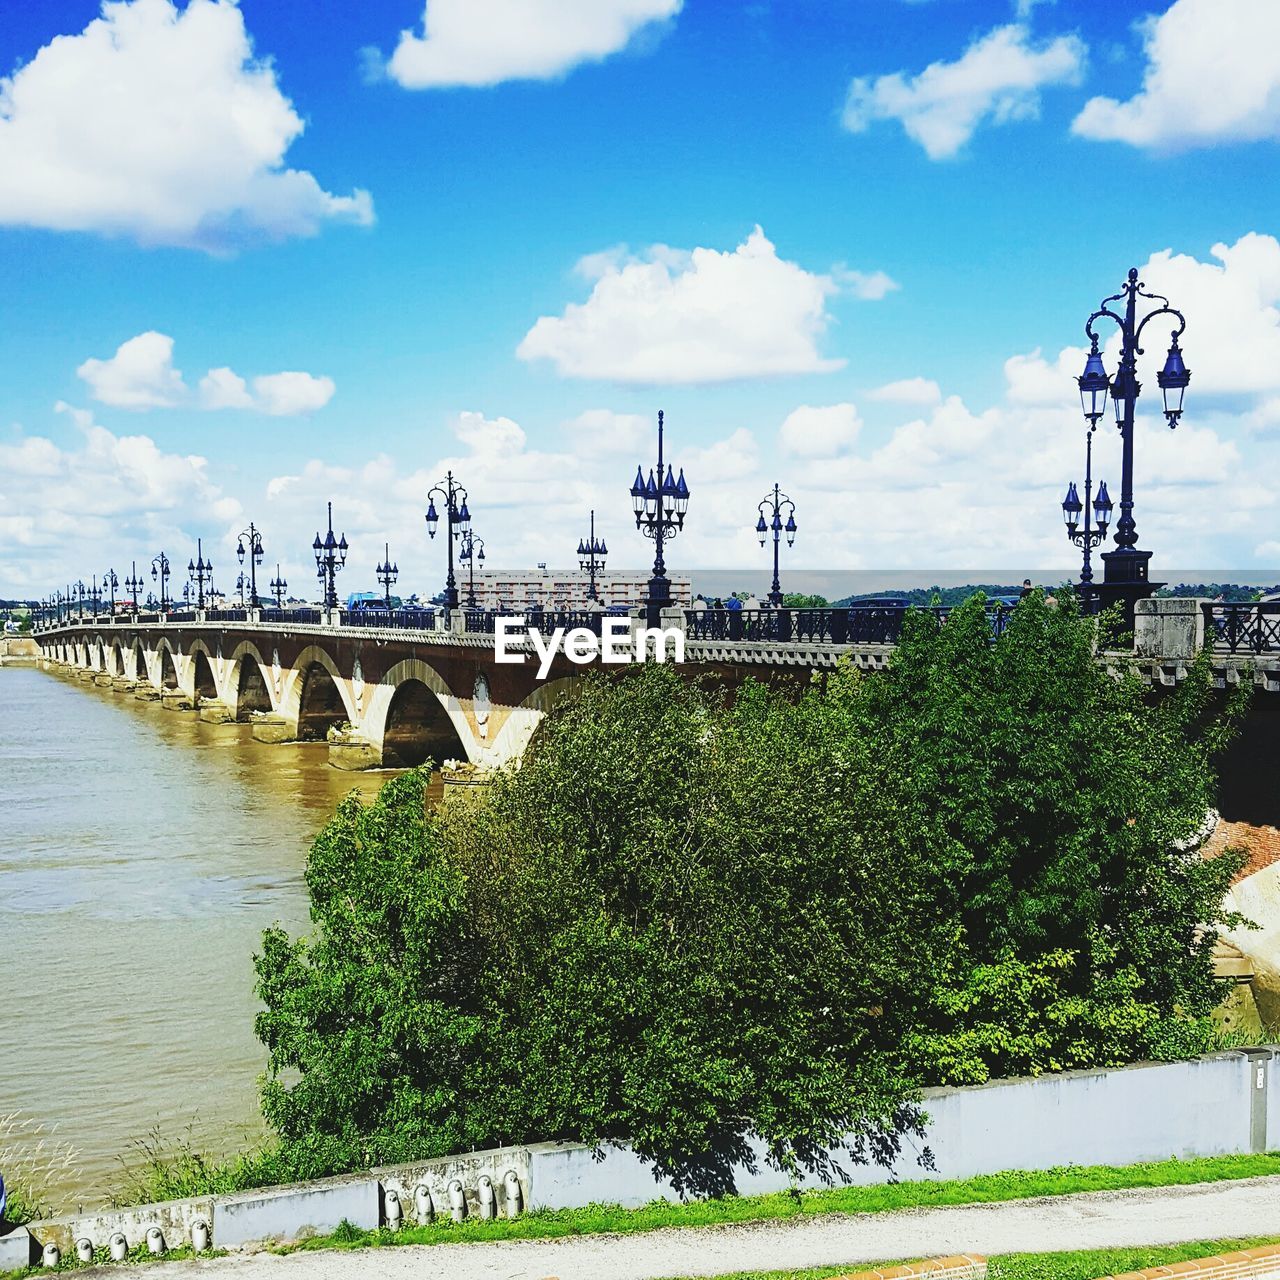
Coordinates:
<point>519,589</point>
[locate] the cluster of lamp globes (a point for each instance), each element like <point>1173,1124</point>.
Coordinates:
<point>1095,386</point>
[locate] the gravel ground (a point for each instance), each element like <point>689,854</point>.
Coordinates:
<point>1249,1207</point>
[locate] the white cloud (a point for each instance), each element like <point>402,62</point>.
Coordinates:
<point>869,286</point>
<point>1212,76</point>
<point>909,391</point>
<point>287,394</point>
<point>687,317</point>
<point>224,389</point>
<point>159,124</point>
<point>598,432</point>
<point>820,431</point>
<point>484,42</point>
<point>139,376</point>
<point>997,79</point>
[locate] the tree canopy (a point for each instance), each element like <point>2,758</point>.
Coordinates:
<point>753,927</point>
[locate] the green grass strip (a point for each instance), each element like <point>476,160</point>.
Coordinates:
<point>988,1189</point>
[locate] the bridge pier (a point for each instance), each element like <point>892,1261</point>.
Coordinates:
<point>212,711</point>
<point>177,700</point>
<point>102,679</point>
<point>351,752</point>
<point>146,693</point>
<point>273,728</point>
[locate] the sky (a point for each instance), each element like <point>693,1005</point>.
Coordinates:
<point>260,256</point>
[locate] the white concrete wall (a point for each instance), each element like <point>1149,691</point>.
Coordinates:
<point>1149,1112</point>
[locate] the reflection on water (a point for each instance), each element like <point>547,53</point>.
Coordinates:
<point>142,852</point>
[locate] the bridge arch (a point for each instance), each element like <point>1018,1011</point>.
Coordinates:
<point>204,682</point>
<point>247,681</point>
<point>166,667</point>
<point>525,719</point>
<point>413,715</point>
<point>138,658</point>
<point>116,667</point>
<point>316,696</point>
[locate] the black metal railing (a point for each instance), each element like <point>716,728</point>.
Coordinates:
<point>1242,628</point>
<point>853,624</point>
<point>303,616</point>
<point>411,620</point>
<point>183,615</point>
<point>478,621</point>
<point>227,615</point>
<point>546,621</point>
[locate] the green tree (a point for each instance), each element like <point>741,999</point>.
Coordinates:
<point>687,920</point>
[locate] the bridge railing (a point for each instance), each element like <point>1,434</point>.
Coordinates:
<point>852,624</point>
<point>1242,628</point>
<point>414,620</point>
<point>226,615</point>
<point>548,620</point>
<point>301,616</point>
<point>478,621</point>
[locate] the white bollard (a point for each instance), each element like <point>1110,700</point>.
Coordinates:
<point>488,1201</point>
<point>199,1235</point>
<point>423,1208</point>
<point>393,1212</point>
<point>457,1200</point>
<point>84,1249</point>
<point>51,1257</point>
<point>118,1247</point>
<point>155,1240</point>
<point>511,1184</point>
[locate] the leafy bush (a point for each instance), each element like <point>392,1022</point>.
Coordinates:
<point>687,920</point>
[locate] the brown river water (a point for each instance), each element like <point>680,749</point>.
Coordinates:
<point>141,855</point>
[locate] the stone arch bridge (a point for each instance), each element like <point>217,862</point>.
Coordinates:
<point>380,693</point>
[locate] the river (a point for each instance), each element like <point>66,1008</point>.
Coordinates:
<point>142,853</point>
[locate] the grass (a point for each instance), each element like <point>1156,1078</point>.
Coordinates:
<point>990,1189</point>
<point>32,1160</point>
<point>1088,1265</point>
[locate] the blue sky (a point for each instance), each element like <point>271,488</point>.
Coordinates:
<point>938,192</point>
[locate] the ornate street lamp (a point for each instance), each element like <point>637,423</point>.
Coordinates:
<point>199,571</point>
<point>660,504</point>
<point>110,582</point>
<point>387,573</point>
<point>776,503</point>
<point>591,554</point>
<point>471,549</point>
<point>278,587</point>
<point>255,559</point>
<point>160,573</point>
<point>95,596</point>
<point>1097,515</point>
<point>331,556</point>
<point>133,584</point>
<point>457,522</point>
<point>1126,569</point>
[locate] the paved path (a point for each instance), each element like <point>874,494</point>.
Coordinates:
<point>1249,1207</point>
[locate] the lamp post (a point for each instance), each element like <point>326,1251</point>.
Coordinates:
<point>387,573</point>
<point>255,559</point>
<point>776,502</point>
<point>160,573</point>
<point>110,582</point>
<point>659,504</point>
<point>471,549</point>
<point>278,587</point>
<point>331,556</point>
<point>457,522</point>
<point>591,554</point>
<point>1126,569</point>
<point>1096,510</point>
<point>95,597</point>
<point>133,584</point>
<point>200,571</point>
